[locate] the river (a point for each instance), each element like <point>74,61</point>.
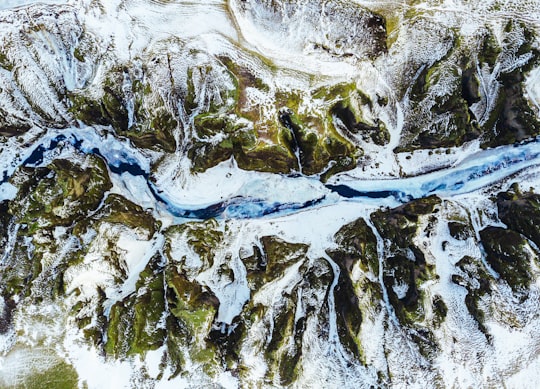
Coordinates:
<point>481,169</point>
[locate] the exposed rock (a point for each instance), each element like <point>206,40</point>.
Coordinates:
<point>512,119</point>
<point>400,224</point>
<point>521,213</point>
<point>509,254</point>
<point>474,277</point>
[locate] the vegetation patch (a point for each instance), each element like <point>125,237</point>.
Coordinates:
<point>59,376</point>
<point>512,119</point>
<point>508,253</point>
<point>521,212</point>
<point>136,324</point>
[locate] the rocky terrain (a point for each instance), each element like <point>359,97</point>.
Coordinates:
<point>260,194</point>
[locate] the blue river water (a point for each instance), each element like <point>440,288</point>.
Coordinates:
<point>121,157</point>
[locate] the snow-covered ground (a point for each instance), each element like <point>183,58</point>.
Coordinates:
<point>7,4</point>
<point>286,49</point>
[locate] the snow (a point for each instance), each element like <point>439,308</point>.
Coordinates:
<point>231,293</point>
<point>23,361</point>
<point>532,87</point>
<point>478,170</point>
<point>153,360</point>
<point>7,4</point>
<point>95,269</point>
<point>87,361</point>
<point>133,28</point>
<point>286,45</point>
<point>302,209</point>
<point>424,161</point>
<point>227,181</point>
<point>7,191</point>
<point>528,377</point>
<point>137,254</point>
<point>135,189</point>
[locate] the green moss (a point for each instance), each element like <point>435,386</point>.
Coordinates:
<point>206,155</point>
<point>79,56</point>
<point>356,243</point>
<point>94,323</point>
<point>118,209</point>
<point>149,309</point>
<point>319,143</point>
<point>208,125</point>
<point>489,50</point>
<point>42,197</point>
<point>512,120</point>
<point>436,120</point>
<point>269,146</point>
<point>470,86</point>
<point>156,131</point>
<point>283,348</point>
<point>319,275</point>
<point>349,315</point>
<point>14,283</point>
<point>285,340</point>
<point>334,93</point>
<point>400,270</point>
<point>189,100</point>
<point>283,360</point>
<point>453,124</point>
<point>245,78</point>
<point>134,324</point>
<point>191,304</point>
<point>284,331</point>
<point>115,331</point>
<point>273,158</point>
<point>281,254</point>
<point>274,258</point>
<point>114,108</point>
<point>87,110</point>
<point>315,152</point>
<point>210,105</point>
<point>203,237</point>
<point>290,100</point>
<point>154,124</point>
<point>507,254</point>
<point>60,195</point>
<point>60,376</point>
<point>236,140</point>
<point>378,133</point>
<point>194,310</point>
<point>175,342</point>
<point>344,101</point>
<point>407,266</point>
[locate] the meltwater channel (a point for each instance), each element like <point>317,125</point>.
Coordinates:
<point>478,170</point>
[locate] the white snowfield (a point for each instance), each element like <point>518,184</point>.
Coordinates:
<point>295,208</point>
<point>9,4</point>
